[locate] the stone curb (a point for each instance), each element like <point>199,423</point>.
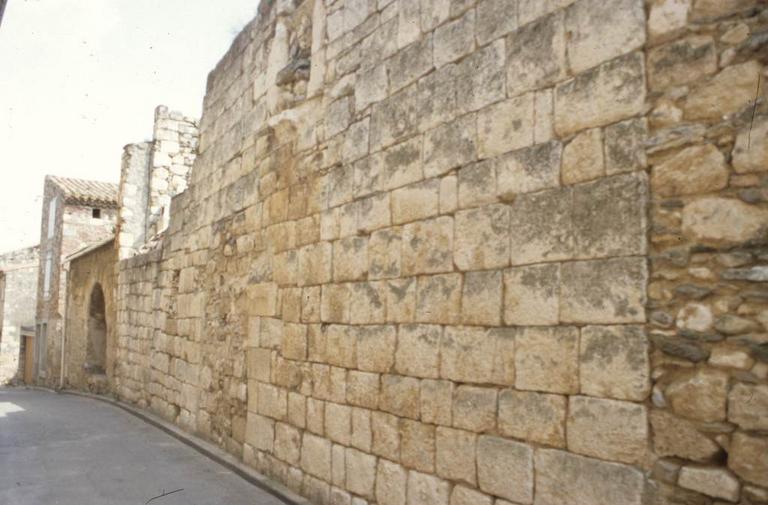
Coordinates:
<point>205,448</point>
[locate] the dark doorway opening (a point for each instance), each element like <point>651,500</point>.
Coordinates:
<point>96,352</point>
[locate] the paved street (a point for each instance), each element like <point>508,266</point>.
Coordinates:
<point>68,450</point>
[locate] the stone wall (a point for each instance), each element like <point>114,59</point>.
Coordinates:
<point>472,252</point>
<point>92,271</point>
<point>18,283</point>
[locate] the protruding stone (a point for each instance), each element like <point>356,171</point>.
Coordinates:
<point>697,169</point>
<point>715,482</point>
<point>723,220</point>
<point>727,92</point>
<point>699,395</point>
<point>674,436</point>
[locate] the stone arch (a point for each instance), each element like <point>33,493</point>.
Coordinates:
<point>96,350</point>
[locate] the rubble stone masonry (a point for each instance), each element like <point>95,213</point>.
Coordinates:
<point>484,252</point>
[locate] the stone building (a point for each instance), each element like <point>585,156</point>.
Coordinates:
<point>480,252</point>
<point>76,214</point>
<point>18,289</point>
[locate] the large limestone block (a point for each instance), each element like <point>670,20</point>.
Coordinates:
<point>436,401</point>
<point>677,437</point>
<point>418,347</point>
<point>350,259</point>
<point>438,298</point>
<point>748,406</point>
<point>667,17</point>
<point>546,359</point>
<point>531,295</point>
<point>536,417</point>
<point>474,408</point>
<point>376,348</point>
<point>541,227</point>
<point>414,202</point>
<point>748,457</point>
<point>471,354</point>
<point>583,157</point>
<point>603,291</point>
<point>625,146</point>
<point>697,169</point>
<point>480,77</point>
<point>455,39</point>
<point>361,472</point>
<point>505,126</point>
<point>400,396</point>
<point>715,482</point>
<point>428,246</point>
<point>529,169</point>
<point>384,253</point>
<point>614,363</point>
<point>426,489</point>
<point>681,62</point>
<point>714,220</point>
<point>505,469</point>
<point>316,456</point>
<point>260,432</point>
<point>599,31</point>
<point>417,445</point>
<point>455,455</point>
<point>287,443</point>
<point>605,94</point>
<point>567,479</point>
<point>482,237</point>
<point>750,154</point>
<point>493,19</point>
<point>607,429</point>
<point>465,496</point>
<point>704,10</point>
<point>536,54</point>
<point>391,480</point>
<point>727,92</point>
<point>610,216</point>
<point>450,145</point>
<point>386,435</point>
<point>699,395</point>
<point>481,298</point>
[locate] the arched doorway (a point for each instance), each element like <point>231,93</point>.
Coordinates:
<point>96,351</point>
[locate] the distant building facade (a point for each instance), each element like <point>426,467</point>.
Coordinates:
<point>76,215</point>
<point>18,282</point>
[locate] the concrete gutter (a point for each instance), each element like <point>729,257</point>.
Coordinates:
<point>205,448</point>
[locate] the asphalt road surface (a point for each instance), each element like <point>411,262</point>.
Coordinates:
<point>69,450</point>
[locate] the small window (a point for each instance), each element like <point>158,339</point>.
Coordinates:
<point>96,213</point>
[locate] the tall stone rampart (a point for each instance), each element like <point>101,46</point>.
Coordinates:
<point>472,252</point>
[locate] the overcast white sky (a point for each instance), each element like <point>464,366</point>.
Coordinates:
<point>79,79</point>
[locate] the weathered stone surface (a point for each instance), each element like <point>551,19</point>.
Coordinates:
<point>535,417</point>
<point>438,298</point>
<point>474,408</point>
<point>436,402</point>
<point>715,482</point>
<point>481,237</point>
<point>723,220</point>
<point>350,259</point>
<point>425,489</point>
<point>748,406</point>
<point>608,93</point>
<point>455,39</point>
<point>361,472</point>
<point>699,395</point>
<point>625,146</point>
<point>481,298</point>
<point>455,455</point>
<point>414,202</point>
<point>603,291</point>
<point>666,18</point>
<point>705,10</point>
<point>316,456</point>
<point>546,359</point>
<point>391,480</point>
<point>531,295</point>
<point>428,246</point>
<point>376,348</point>
<point>563,478</point>
<point>450,145</point>
<point>697,169</point>
<point>493,20</point>
<point>469,354</point>
<point>400,396</point>
<point>600,31</point>
<point>607,429</point>
<point>418,348</point>
<point>541,227</point>
<point>505,468</point>
<point>725,93</point>
<point>694,316</point>
<point>748,457</point>
<point>465,496</point>
<point>417,445</point>
<point>530,169</point>
<point>536,54</point>
<point>505,126</point>
<point>583,157</point>
<point>674,436</point>
<point>384,254</point>
<point>751,155</point>
<point>681,62</point>
<point>613,362</point>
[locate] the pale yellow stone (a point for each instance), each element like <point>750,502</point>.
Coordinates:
<point>677,437</point>
<point>455,455</point>
<point>699,395</point>
<point>697,169</point>
<point>417,445</point>
<point>727,92</point>
<point>505,468</point>
<point>723,220</point>
<point>750,154</point>
<point>536,417</point>
<point>426,489</point>
<point>505,126</point>
<point>361,472</point>
<point>583,158</point>
<point>316,456</point>
<point>546,359</point>
<point>391,480</point>
<point>715,482</point>
<point>748,406</point>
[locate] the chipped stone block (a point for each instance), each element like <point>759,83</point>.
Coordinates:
<point>536,54</point>
<point>530,169</point>
<point>474,409</point>
<point>287,443</point>
<point>505,468</point>
<point>450,145</point>
<point>455,455</point>
<point>541,227</point>
<point>505,126</point>
<point>536,417</point>
<point>417,445</point>
<point>715,482</point>
<point>414,202</point>
<point>607,429</point>
<point>613,362</point>
<point>482,237</point>
<point>428,246</point>
<point>605,94</point>
<point>625,146</point>
<point>600,31</point>
<point>481,298</point>
<point>563,478</point>
<point>531,295</point>
<point>583,157</point>
<point>603,291</point>
<point>400,396</point>
<point>391,480</point>
<point>418,348</point>
<point>677,437</point>
<point>546,359</point>
<point>438,298</point>
<point>667,18</point>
